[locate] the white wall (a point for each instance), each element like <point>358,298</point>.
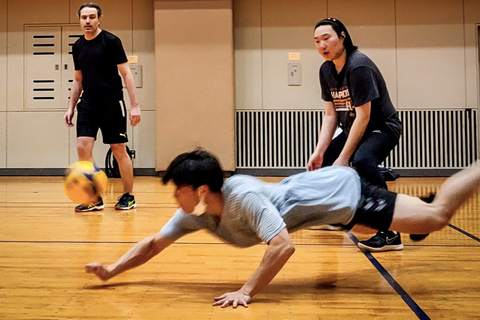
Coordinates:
<point>39,139</point>
<point>426,50</point>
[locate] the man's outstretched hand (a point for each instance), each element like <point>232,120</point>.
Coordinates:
<point>99,270</point>
<point>232,298</point>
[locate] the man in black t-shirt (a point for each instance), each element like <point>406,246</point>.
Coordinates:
<point>361,125</point>
<point>98,57</point>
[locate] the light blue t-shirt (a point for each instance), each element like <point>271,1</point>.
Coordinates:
<point>256,211</point>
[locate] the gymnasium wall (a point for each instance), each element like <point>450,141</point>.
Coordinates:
<point>3,83</point>
<point>426,50</point>
<point>38,138</point>
<point>194,79</point>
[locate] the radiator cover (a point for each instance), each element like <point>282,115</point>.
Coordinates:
<point>431,139</point>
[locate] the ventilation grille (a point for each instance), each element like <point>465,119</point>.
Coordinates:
<point>286,139</point>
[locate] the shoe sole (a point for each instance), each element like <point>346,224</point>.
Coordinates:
<point>126,208</point>
<point>96,208</point>
<point>391,247</point>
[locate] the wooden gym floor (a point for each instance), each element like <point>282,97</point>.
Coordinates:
<point>44,245</point>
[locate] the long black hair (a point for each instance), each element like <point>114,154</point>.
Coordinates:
<point>339,27</point>
<point>196,168</point>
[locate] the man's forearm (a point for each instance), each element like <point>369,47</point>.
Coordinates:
<point>75,92</point>
<point>354,137</point>
<point>271,264</point>
<point>138,255</point>
<point>275,257</point>
<point>326,133</point>
<point>131,89</point>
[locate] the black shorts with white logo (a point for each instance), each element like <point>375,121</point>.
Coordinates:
<point>375,208</point>
<point>108,115</point>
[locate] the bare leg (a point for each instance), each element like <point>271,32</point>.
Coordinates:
<point>85,152</point>
<point>125,165</point>
<point>458,188</point>
<point>412,215</point>
<point>85,148</point>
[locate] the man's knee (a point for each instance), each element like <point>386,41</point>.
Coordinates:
<point>440,217</point>
<point>364,161</point>
<point>85,148</point>
<point>119,151</point>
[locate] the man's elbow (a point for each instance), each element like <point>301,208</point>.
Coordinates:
<point>288,249</point>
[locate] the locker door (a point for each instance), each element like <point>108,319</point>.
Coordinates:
<point>42,68</point>
<point>70,34</point>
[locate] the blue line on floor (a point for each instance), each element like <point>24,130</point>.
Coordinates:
<point>395,285</point>
<point>464,232</point>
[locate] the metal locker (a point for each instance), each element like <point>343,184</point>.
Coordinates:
<point>42,67</point>
<point>70,34</point>
<point>49,66</point>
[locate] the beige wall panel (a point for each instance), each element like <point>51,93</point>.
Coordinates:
<point>3,139</point>
<point>116,18</point>
<point>3,56</point>
<point>287,26</point>
<point>431,55</point>
<point>144,48</point>
<point>72,142</point>
<point>371,24</point>
<point>248,54</point>
<point>36,140</point>
<point>22,12</point>
<point>472,19</point>
<point>194,79</point>
<point>145,93</point>
<point>144,141</point>
<point>36,12</point>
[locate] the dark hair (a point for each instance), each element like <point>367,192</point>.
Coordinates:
<point>339,27</point>
<point>195,168</point>
<point>90,5</point>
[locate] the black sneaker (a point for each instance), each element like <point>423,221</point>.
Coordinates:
<point>96,206</point>
<point>126,202</point>
<point>419,237</point>
<point>382,241</point>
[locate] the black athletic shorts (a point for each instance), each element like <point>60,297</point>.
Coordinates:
<point>375,208</point>
<point>107,114</point>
